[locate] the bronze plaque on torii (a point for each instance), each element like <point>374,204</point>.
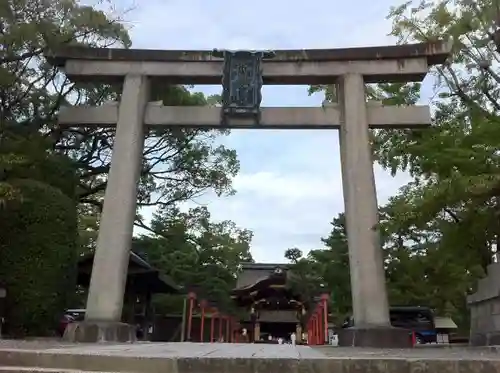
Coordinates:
<point>242,84</point>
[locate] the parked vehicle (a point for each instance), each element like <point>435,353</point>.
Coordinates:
<point>69,316</point>
<point>418,319</point>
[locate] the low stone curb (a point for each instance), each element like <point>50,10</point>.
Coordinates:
<point>25,360</point>
<point>40,370</point>
<point>462,346</point>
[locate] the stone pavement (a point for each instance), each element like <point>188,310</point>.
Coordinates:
<point>188,350</point>
<point>239,358</point>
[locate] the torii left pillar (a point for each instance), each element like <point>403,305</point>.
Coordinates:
<point>109,272</point>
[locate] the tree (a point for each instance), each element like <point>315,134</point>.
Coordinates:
<point>197,253</point>
<point>38,236</point>
<point>456,162</point>
<point>325,270</point>
<point>421,266</point>
<point>455,194</point>
<point>335,262</point>
<point>305,279</point>
<point>425,267</point>
<point>293,254</point>
<point>443,228</point>
<point>179,164</point>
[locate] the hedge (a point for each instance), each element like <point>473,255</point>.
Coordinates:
<point>38,255</point>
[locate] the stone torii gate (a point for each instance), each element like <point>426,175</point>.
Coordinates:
<point>243,74</point>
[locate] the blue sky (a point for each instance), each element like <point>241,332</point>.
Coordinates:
<point>289,187</point>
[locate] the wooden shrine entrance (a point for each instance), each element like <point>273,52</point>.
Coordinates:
<point>275,309</point>
<point>271,308</point>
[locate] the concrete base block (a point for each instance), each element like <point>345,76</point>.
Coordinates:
<point>378,337</point>
<point>485,339</point>
<point>100,332</point>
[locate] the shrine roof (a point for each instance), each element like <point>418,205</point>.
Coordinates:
<point>435,52</point>
<point>263,266</point>
<point>138,268</point>
<point>255,276</point>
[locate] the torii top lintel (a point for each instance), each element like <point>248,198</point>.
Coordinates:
<point>301,66</point>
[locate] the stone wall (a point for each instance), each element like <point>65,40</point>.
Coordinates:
<point>485,309</point>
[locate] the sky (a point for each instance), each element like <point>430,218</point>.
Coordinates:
<point>289,186</point>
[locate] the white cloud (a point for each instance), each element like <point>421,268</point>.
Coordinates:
<point>289,187</point>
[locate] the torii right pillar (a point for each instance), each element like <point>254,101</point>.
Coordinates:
<point>372,327</point>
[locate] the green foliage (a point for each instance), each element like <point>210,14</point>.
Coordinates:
<point>178,164</point>
<point>26,156</point>
<point>326,270</point>
<point>422,268</point>
<point>38,236</point>
<point>196,253</point>
<point>453,201</point>
<point>335,267</point>
<point>293,254</point>
<point>441,230</point>
<point>38,256</point>
<point>455,163</point>
<point>425,265</point>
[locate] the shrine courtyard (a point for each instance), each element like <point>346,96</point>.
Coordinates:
<point>16,356</point>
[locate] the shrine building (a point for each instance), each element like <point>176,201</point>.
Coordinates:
<point>272,309</point>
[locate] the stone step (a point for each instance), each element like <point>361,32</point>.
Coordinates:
<point>41,370</point>
<point>250,358</point>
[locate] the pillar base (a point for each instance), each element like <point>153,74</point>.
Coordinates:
<point>375,337</point>
<point>100,332</point>
<point>485,339</point>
